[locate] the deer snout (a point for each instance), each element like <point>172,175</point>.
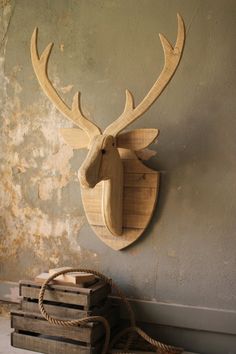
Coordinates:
<point>86,180</point>
<point>88,173</point>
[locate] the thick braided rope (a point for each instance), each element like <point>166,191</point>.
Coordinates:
<point>162,348</point>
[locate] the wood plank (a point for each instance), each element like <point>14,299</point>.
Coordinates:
<point>86,334</point>
<point>118,243</point>
<point>67,294</point>
<point>71,281</point>
<point>56,296</point>
<point>50,346</point>
<point>103,163</point>
<point>136,166</point>
<point>136,139</point>
<point>69,288</point>
<point>76,138</point>
<point>135,221</point>
<point>138,186</point>
<point>112,176</point>
<point>98,294</point>
<point>141,185</point>
<point>72,277</point>
<point>145,154</point>
<point>139,200</point>
<point>63,311</point>
<point>110,312</point>
<point>148,180</point>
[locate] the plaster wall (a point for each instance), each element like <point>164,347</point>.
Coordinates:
<point>187,254</point>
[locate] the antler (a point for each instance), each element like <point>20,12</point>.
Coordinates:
<point>40,65</point>
<point>172,58</point>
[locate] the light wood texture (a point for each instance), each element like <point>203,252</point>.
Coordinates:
<point>141,185</point>
<point>74,114</point>
<point>103,163</point>
<point>118,194</point>
<point>111,174</point>
<point>69,280</point>
<point>145,154</point>
<point>137,139</point>
<point>40,279</point>
<point>76,138</point>
<point>172,58</point>
<point>73,278</point>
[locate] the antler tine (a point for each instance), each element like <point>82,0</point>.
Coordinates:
<point>40,64</point>
<point>172,58</point>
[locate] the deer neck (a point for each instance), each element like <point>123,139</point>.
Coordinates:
<point>112,194</point>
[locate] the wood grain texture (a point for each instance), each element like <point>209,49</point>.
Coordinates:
<point>172,59</point>
<point>40,64</point>
<point>141,185</point>
<point>119,193</point>
<point>84,297</point>
<point>37,324</point>
<point>103,163</point>
<point>136,139</point>
<point>51,346</point>
<point>65,311</point>
<point>76,138</point>
<point>73,277</point>
<point>112,176</point>
<point>145,154</point>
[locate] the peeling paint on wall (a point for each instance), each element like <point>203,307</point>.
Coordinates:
<point>187,254</point>
<point>35,168</point>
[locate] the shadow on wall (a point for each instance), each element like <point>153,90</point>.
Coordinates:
<point>192,148</point>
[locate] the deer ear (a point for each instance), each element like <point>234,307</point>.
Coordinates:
<point>137,139</point>
<point>76,138</point>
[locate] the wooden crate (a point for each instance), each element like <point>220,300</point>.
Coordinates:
<point>86,297</point>
<point>50,345</point>
<point>33,332</point>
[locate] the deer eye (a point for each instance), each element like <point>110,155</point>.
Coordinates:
<point>103,151</point>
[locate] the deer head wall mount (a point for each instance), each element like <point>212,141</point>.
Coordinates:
<point>119,192</point>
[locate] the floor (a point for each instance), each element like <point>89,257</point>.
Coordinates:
<point>5,339</point>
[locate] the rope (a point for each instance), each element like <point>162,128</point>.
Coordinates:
<point>161,348</point>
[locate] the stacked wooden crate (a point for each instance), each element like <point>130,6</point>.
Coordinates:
<point>33,332</point>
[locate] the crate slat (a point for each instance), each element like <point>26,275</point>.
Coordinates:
<point>65,311</point>
<point>85,297</point>
<point>56,296</point>
<point>33,332</point>
<point>88,334</point>
<point>70,288</point>
<point>50,346</point>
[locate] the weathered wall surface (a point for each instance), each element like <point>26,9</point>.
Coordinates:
<point>187,254</point>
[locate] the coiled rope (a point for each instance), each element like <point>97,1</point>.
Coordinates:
<point>160,347</point>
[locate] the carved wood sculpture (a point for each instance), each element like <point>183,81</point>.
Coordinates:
<point>118,191</point>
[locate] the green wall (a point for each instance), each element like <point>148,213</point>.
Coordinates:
<point>187,254</point>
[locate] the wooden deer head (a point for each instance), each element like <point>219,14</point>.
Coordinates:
<point>119,192</point>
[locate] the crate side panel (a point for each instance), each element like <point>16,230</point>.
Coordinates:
<point>49,346</point>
